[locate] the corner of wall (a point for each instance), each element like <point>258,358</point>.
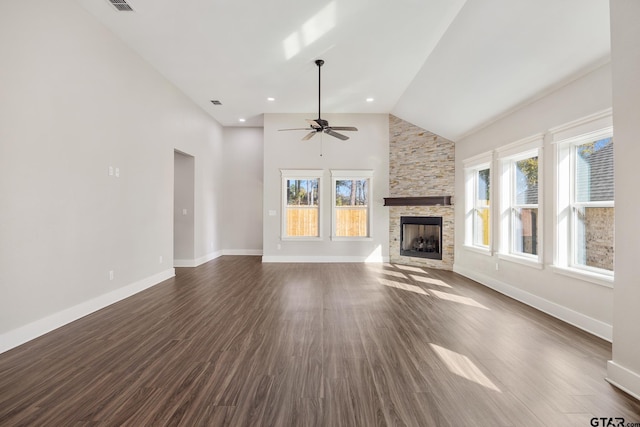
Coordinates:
<point>623,378</point>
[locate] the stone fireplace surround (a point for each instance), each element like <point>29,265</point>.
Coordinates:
<point>421,164</point>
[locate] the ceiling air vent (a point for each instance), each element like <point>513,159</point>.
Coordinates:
<point>121,5</point>
<point>216,102</point>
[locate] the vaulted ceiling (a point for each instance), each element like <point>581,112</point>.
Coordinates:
<point>449,66</point>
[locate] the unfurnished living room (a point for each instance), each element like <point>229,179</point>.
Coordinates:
<point>330,213</point>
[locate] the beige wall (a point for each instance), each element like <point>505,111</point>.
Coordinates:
<point>183,212</point>
<point>75,101</point>
<point>624,369</point>
<point>580,302</point>
<point>242,173</point>
<point>366,149</point>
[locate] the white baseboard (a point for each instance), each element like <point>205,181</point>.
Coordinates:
<point>198,261</point>
<point>579,320</point>
<point>208,257</point>
<point>324,259</point>
<point>23,334</point>
<point>184,262</point>
<point>623,378</point>
<point>244,252</point>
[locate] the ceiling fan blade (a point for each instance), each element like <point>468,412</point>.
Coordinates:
<point>351,128</point>
<point>294,129</point>
<point>314,124</point>
<point>336,134</point>
<point>309,135</point>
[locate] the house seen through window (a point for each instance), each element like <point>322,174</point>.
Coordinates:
<point>592,204</point>
<point>525,206</point>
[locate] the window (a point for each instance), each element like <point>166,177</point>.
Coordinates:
<point>585,203</point>
<point>351,200</point>
<point>521,186</point>
<point>524,206</point>
<point>477,202</point>
<point>301,217</point>
<point>592,204</point>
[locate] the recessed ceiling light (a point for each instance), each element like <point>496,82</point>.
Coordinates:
<point>369,99</point>
<point>271,99</point>
<point>242,120</point>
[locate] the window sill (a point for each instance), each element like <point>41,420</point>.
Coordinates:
<point>301,239</point>
<point>533,263</point>
<point>478,249</point>
<point>351,239</point>
<point>588,276</point>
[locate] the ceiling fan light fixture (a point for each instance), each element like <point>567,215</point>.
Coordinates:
<point>322,126</point>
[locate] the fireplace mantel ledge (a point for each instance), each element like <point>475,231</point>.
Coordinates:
<point>418,201</point>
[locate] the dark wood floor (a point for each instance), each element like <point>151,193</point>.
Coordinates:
<point>236,342</point>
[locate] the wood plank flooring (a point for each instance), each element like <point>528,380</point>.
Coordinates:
<point>240,343</point>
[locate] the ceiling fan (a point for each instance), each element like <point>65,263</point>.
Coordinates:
<point>319,125</point>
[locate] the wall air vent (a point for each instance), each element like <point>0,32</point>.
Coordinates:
<point>216,102</point>
<point>121,5</point>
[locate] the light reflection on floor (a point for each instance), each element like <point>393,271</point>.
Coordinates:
<point>410,268</point>
<point>403,286</point>
<point>462,366</point>
<point>395,274</point>
<point>429,280</point>
<point>459,299</point>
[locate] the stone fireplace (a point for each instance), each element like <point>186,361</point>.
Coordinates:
<point>421,175</point>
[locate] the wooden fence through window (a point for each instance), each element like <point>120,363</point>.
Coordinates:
<point>351,221</point>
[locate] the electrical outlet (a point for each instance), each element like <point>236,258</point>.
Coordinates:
<point>110,274</point>
<point>160,259</point>
<point>110,171</point>
<point>117,172</point>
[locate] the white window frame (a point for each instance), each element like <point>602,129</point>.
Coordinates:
<point>508,156</point>
<point>566,138</point>
<point>337,175</point>
<point>472,166</point>
<point>291,174</point>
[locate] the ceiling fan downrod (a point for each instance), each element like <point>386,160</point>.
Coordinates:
<point>319,63</point>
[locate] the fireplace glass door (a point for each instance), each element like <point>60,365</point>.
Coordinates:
<point>421,237</point>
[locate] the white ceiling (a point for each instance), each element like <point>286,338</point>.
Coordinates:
<point>449,66</point>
